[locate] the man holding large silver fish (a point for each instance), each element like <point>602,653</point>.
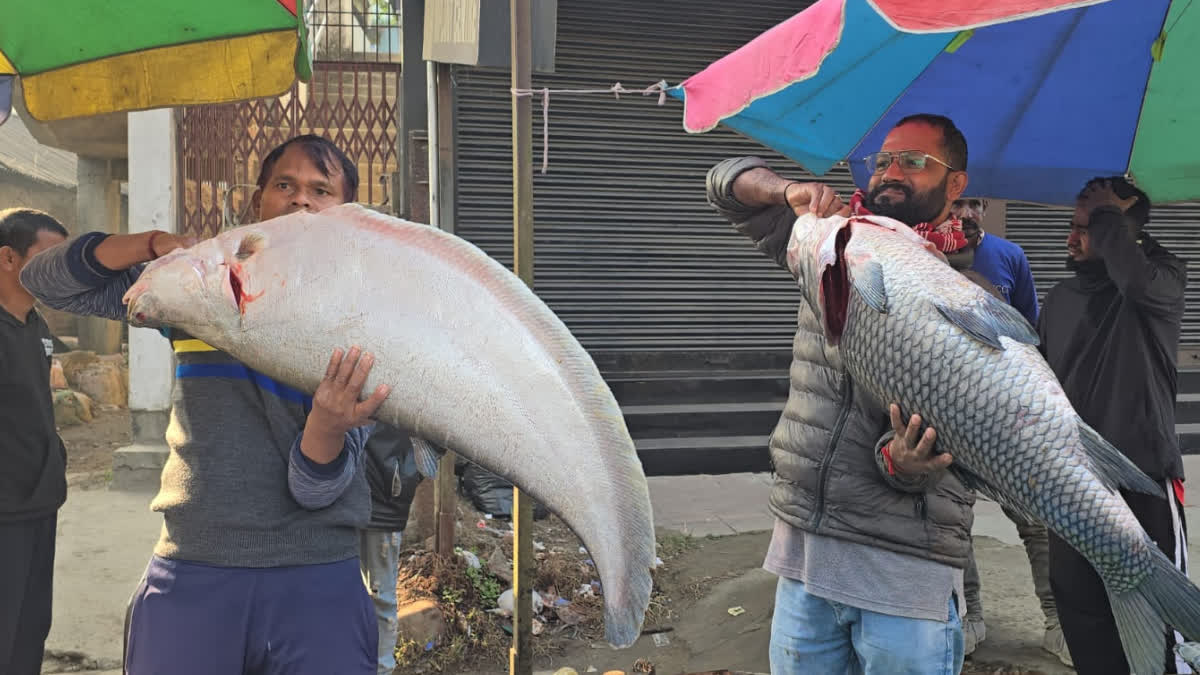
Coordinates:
<point>872,532</point>
<point>257,566</point>
<point>479,365</point>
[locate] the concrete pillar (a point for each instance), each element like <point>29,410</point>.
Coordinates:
<point>153,192</point>
<point>98,207</point>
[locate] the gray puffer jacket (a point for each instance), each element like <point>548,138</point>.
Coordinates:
<point>829,474</point>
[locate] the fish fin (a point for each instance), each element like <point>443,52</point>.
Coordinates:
<point>974,323</point>
<point>1009,321</point>
<point>1165,595</point>
<point>989,321</point>
<point>426,456</point>
<point>868,281</point>
<point>1113,467</point>
<point>974,482</point>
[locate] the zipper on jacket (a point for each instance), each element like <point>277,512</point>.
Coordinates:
<point>831,449</point>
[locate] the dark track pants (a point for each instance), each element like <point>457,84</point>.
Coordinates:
<point>1083,607</point>
<point>188,618</point>
<point>26,592</point>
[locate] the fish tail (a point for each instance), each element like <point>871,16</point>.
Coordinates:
<point>1166,595</point>
<point>625,604</point>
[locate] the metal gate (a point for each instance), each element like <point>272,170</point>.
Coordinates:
<point>1042,232</point>
<point>627,251</point>
<point>220,147</point>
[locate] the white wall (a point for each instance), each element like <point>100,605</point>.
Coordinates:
<point>153,190</point>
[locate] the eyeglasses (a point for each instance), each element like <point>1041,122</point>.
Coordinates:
<point>911,161</point>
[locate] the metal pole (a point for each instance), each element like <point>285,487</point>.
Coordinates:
<point>445,497</point>
<point>431,98</point>
<point>520,658</point>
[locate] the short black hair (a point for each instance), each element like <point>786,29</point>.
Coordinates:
<point>1139,211</point>
<point>322,152</point>
<point>954,143</point>
<point>19,228</point>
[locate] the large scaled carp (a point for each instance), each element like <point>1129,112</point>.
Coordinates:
<point>477,363</point>
<point>912,331</point>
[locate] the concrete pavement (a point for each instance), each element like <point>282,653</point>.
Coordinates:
<point>105,537</point>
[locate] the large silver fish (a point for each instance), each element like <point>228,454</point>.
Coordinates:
<point>477,363</point>
<point>912,331</point>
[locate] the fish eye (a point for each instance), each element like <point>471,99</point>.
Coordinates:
<point>249,245</point>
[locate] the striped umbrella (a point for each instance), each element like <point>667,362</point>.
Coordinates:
<point>87,57</point>
<point>1048,94</point>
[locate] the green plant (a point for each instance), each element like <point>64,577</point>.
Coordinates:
<point>486,585</point>
<point>452,596</point>
<point>672,544</point>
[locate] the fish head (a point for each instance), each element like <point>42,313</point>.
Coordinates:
<point>812,252</point>
<point>210,288</point>
<point>824,255</point>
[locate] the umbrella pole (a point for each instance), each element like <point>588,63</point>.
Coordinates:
<point>445,499</point>
<point>520,657</point>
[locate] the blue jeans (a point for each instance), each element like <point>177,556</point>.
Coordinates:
<point>379,556</point>
<point>813,635</point>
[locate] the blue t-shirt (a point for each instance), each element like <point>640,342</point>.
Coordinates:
<point>1004,264</point>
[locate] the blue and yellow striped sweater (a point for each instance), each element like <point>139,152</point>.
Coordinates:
<point>236,491</point>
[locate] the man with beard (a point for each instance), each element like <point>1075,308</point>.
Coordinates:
<point>871,533</point>
<point>1111,335</point>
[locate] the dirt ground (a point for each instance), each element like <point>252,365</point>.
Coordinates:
<point>90,446</point>
<point>711,608</point>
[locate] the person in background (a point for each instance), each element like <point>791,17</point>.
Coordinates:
<point>33,461</point>
<point>1004,264</point>
<point>393,478</point>
<point>1111,335</point>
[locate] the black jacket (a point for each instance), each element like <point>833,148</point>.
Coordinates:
<point>1111,334</point>
<point>33,478</point>
<point>393,477</point>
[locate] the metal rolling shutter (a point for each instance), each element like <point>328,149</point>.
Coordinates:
<point>627,251</point>
<point>1042,232</point>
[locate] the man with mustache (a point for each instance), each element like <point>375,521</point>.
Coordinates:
<point>871,533</point>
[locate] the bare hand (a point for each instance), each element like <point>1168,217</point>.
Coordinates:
<point>912,451</point>
<point>1102,194</point>
<point>815,198</point>
<point>336,408</point>
<point>166,242</point>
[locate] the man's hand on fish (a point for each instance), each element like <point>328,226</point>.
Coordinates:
<point>122,251</point>
<point>336,405</point>
<point>912,451</point>
<point>815,198</point>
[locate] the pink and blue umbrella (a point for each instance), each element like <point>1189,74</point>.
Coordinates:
<point>1049,94</point>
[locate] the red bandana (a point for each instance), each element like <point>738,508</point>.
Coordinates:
<point>947,237</point>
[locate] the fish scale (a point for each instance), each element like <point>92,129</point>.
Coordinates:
<point>981,380</point>
<point>921,335</point>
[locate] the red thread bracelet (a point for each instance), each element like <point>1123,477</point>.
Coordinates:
<point>886,451</point>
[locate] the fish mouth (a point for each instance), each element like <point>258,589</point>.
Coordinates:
<point>234,290</point>
<point>135,316</point>
<point>835,289</point>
